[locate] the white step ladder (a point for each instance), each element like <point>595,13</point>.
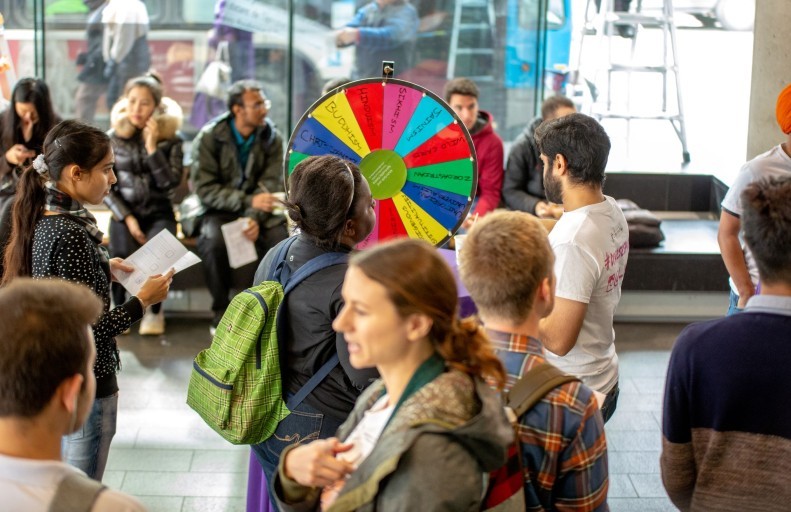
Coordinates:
<point>471,52</point>
<point>607,21</point>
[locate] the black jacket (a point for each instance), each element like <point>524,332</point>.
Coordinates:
<point>217,176</point>
<point>313,305</point>
<point>145,182</point>
<point>523,184</point>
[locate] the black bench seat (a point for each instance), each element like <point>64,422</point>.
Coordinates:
<point>689,259</point>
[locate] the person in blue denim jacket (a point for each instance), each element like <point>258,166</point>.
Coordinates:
<point>381,30</point>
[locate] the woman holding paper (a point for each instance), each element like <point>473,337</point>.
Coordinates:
<point>54,236</point>
<point>148,165</point>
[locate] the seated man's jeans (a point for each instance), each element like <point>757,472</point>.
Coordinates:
<point>88,447</point>
<point>212,250</point>
<point>610,403</point>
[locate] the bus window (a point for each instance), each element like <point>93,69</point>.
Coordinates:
<point>528,14</point>
<point>556,14</point>
<point>197,11</point>
<point>64,12</point>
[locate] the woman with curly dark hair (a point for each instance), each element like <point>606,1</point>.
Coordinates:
<point>331,206</point>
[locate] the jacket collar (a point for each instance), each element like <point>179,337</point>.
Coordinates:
<point>222,130</point>
<point>453,404</point>
<point>488,127</point>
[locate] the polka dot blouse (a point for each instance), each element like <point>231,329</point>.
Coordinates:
<point>62,248</point>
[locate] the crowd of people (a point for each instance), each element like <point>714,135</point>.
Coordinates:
<point>411,416</point>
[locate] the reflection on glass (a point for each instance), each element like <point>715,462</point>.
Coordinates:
<point>495,43</point>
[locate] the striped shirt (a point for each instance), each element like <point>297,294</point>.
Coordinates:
<point>726,423</point>
<point>564,449</point>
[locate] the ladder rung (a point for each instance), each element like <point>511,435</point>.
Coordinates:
<point>474,3</point>
<point>474,26</point>
<point>647,116</point>
<point>643,69</point>
<point>635,19</point>
<point>474,51</point>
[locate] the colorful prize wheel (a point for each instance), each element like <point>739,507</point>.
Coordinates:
<point>414,151</point>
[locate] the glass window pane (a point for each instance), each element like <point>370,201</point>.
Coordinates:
<point>496,44</point>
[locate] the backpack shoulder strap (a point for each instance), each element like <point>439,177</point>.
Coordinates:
<point>75,493</point>
<point>534,385</point>
<point>314,381</point>
<point>278,265</point>
<point>320,262</point>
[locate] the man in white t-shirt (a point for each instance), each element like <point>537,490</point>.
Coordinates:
<point>737,257</point>
<point>591,245</point>
<point>46,391</point>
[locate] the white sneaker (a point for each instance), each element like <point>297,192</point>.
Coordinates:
<point>152,324</point>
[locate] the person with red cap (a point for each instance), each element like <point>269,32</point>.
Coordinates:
<point>737,257</point>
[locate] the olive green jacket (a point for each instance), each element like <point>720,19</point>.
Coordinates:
<point>433,455</point>
<point>216,173</point>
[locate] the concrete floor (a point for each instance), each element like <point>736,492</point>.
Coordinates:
<point>164,454</point>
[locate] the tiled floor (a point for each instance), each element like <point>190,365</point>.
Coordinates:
<point>634,438</point>
<point>165,455</point>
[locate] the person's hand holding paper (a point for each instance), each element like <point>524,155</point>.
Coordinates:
<point>157,260</point>
<point>155,288</point>
<point>264,201</point>
<point>239,241</point>
<point>117,265</point>
<point>252,230</point>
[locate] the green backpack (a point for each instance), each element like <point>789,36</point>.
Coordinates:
<point>235,384</point>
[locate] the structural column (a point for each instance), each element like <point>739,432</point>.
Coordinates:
<point>771,72</point>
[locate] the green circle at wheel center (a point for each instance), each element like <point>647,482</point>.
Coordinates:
<point>385,172</point>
